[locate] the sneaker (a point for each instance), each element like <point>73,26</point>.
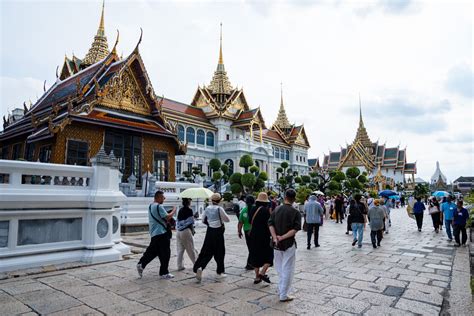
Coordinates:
<point>199,275</point>
<point>181,269</point>
<point>287,299</point>
<point>140,270</point>
<point>318,245</point>
<point>167,276</point>
<point>450,239</point>
<point>386,232</point>
<point>347,233</point>
<point>419,229</point>
<point>359,246</point>
<point>354,242</point>
<point>374,245</point>
<point>378,244</point>
<point>308,247</point>
<point>221,275</point>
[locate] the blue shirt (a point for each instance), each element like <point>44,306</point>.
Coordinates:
<point>460,217</point>
<point>448,209</point>
<point>418,208</point>
<point>313,211</point>
<point>160,213</point>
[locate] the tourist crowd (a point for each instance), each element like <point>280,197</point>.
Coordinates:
<point>269,230</point>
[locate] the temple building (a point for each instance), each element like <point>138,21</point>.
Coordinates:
<point>438,181</point>
<point>220,123</point>
<point>384,165</point>
<point>100,100</point>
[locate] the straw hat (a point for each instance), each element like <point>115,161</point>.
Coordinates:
<point>376,202</point>
<point>262,197</point>
<point>216,197</point>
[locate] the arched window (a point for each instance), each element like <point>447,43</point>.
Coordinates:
<point>190,135</point>
<point>230,163</point>
<point>210,139</point>
<point>287,155</point>
<point>200,137</point>
<point>277,153</point>
<point>181,133</point>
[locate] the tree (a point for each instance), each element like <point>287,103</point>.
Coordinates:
<point>192,175</point>
<point>216,179</point>
<point>215,164</point>
<point>421,190</point>
<point>246,161</point>
<point>248,181</point>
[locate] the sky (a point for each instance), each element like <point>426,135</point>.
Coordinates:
<point>411,62</point>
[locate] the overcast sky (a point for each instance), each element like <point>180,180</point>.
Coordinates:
<point>411,62</point>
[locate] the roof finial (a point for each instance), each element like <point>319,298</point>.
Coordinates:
<point>361,123</point>
<point>101,30</point>
<point>221,59</point>
<point>281,92</point>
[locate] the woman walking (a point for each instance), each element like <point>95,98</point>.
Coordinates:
<point>244,222</point>
<point>435,213</point>
<point>261,254</point>
<point>376,217</point>
<point>184,234</point>
<point>214,217</point>
<point>418,209</point>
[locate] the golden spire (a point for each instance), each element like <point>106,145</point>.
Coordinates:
<point>99,48</point>
<point>362,135</point>
<point>282,120</point>
<point>101,30</point>
<point>221,60</point>
<point>220,83</point>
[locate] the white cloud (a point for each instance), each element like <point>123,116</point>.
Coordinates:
<point>13,92</point>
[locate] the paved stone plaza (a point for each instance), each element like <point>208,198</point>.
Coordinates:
<point>412,273</point>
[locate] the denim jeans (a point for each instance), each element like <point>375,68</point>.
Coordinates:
<point>358,232</point>
<point>448,223</point>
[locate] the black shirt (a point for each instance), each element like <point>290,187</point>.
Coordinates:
<point>184,213</point>
<point>285,218</point>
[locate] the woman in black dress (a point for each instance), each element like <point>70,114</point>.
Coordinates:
<point>261,254</point>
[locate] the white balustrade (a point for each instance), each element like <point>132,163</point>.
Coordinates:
<point>53,213</point>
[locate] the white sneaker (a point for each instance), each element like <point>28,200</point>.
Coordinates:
<point>199,275</point>
<point>167,276</point>
<point>221,275</point>
<point>140,270</point>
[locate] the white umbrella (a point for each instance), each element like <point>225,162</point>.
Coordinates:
<point>318,192</point>
<point>196,193</point>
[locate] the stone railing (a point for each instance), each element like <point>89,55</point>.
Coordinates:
<point>52,213</point>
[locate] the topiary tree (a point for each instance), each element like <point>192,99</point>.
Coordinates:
<point>235,178</point>
<point>246,161</point>
<point>236,188</point>
<point>248,182</point>
<point>215,164</point>
<point>254,169</point>
<point>216,179</point>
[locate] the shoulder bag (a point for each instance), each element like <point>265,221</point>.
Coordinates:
<point>220,219</point>
<point>167,227</point>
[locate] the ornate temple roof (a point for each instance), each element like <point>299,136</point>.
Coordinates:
<point>282,120</point>
<point>437,174</point>
<point>361,134</point>
<point>99,48</point>
<point>220,83</point>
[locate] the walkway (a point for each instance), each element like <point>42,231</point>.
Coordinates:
<point>411,273</point>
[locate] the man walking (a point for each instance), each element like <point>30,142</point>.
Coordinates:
<point>448,208</point>
<point>460,218</point>
<point>339,208</point>
<point>284,223</point>
<point>160,237</point>
<point>313,214</point>
<point>418,210</point>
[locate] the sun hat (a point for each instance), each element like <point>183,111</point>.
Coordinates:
<point>216,197</point>
<point>262,197</point>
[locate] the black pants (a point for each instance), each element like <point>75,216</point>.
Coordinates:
<point>339,216</point>
<point>310,228</point>
<point>159,246</point>
<point>213,246</point>
<point>378,234</point>
<point>436,218</point>
<point>457,230</point>
<point>247,241</point>
<point>419,220</point>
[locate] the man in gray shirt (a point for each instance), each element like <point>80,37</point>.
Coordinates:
<point>376,216</point>
<point>313,212</point>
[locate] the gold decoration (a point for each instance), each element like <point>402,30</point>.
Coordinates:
<point>123,92</point>
<point>99,48</point>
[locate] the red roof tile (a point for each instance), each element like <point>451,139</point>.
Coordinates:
<point>178,107</point>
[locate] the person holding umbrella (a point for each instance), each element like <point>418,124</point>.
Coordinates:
<point>184,234</point>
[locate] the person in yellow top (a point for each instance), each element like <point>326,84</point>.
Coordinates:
<point>244,222</point>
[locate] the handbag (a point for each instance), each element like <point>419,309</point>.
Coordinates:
<point>433,209</point>
<point>167,227</point>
